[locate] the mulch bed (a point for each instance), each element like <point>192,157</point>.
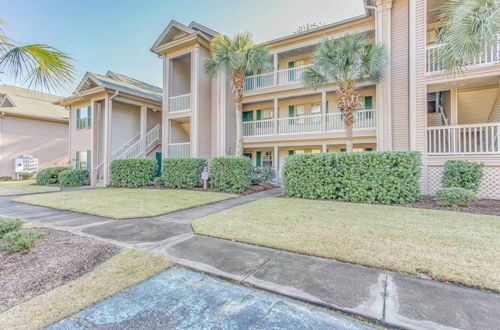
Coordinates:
<point>58,258</point>
<point>482,206</point>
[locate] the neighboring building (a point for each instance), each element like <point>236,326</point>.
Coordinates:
<point>112,117</point>
<point>30,124</point>
<point>414,107</point>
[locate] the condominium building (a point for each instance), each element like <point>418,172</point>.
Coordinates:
<point>416,106</point>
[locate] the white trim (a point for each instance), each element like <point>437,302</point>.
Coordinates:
<point>173,23</point>
<point>412,64</point>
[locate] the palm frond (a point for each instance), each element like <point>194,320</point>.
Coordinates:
<point>39,66</point>
<point>313,77</point>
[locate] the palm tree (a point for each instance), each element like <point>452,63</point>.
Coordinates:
<point>237,57</point>
<point>343,62</point>
<point>467,27</point>
<point>39,66</point>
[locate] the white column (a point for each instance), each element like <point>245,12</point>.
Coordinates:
<point>144,129</point>
<point>276,161</point>
<point>93,142</point>
<point>325,149</point>
<point>454,107</point>
<point>164,118</point>
<point>413,74</point>
<point>108,117</point>
<point>276,116</point>
<point>194,122</point>
<point>323,110</point>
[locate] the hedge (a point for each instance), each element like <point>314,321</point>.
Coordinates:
<point>453,197</point>
<point>132,173</point>
<point>73,178</point>
<point>462,174</point>
<point>49,175</point>
<point>371,177</point>
<point>183,172</point>
<point>231,174</point>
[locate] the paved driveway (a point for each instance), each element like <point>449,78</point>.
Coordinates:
<point>181,299</point>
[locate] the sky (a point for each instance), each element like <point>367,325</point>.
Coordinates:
<point>117,35</point>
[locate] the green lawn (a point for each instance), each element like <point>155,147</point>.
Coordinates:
<point>117,274</point>
<point>120,203</point>
<point>11,188</point>
<point>451,246</point>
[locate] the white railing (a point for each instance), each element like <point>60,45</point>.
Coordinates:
<point>134,151</point>
<point>179,103</point>
<point>300,124</point>
<point>363,119</point>
<point>489,55</point>
<point>258,127</point>
<point>259,81</point>
<point>153,136</point>
<point>179,150</point>
<point>292,75</point>
<point>464,139</point>
<point>125,147</point>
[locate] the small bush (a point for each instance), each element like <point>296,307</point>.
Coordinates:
<point>19,241</point>
<point>370,177</point>
<point>231,174</point>
<point>462,174</point>
<point>453,197</point>
<point>159,182</point>
<point>49,175</point>
<point>183,172</point>
<point>262,174</point>
<point>133,173</point>
<point>5,178</point>
<point>25,175</point>
<point>73,178</point>
<point>8,225</point>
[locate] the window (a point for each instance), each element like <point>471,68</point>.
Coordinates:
<point>299,152</point>
<point>267,114</point>
<point>267,159</point>
<point>300,112</point>
<point>368,102</point>
<point>316,151</point>
<point>83,117</point>
<point>82,160</point>
<point>247,154</point>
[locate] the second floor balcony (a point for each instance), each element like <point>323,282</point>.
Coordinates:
<point>276,78</point>
<point>320,123</point>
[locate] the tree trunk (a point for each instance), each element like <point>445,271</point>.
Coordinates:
<point>348,136</point>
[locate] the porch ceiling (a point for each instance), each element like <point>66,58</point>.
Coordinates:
<point>461,84</point>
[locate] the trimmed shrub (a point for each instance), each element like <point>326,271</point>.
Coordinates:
<point>133,173</point>
<point>5,178</point>
<point>183,173</point>
<point>7,225</point>
<point>453,197</point>
<point>19,241</point>
<point>49,175</point>
<point>158,182</point>
<point>262,174</point>
<point>371,177</point>
<point>231,174</point>
<point>462,174</point>
<point>74,178</point>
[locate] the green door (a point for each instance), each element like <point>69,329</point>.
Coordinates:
<point>247,129</point>
<point>291,73</point>
<point>158,160</point>
<point>258,160</point>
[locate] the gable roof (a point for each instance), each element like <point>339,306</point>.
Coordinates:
<point>176,30</point>
<point>24,102</point>
<point>117,81</point>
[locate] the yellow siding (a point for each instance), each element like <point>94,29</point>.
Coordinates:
<point>474,106</point>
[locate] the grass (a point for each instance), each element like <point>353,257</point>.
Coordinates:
<point>119,203</point>
<point>449,246</point>
<point>111,277</point>
<point>11,188</point>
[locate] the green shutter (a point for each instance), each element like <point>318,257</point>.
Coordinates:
<point>368,149</point>
<point>326,110</point>
<point>291,152</point>
<point>291,111</point>
<point>259,114</point>
<point>78,126</point>
<point>77,160</point>
<point>291,64</point>
<point>343,150</point>
<point>89,116</point>
<point>247,115</point>
<point>291,73</point>
<point>258,161</point>
<point>368,102</point>
<point>89,161</point>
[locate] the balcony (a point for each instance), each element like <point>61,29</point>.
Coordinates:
<point>489,55</point>
<point>277,78</point>
<point>464,139</point>
<point>179,103</point>
<point>179,150</point>
<point>330,122</point>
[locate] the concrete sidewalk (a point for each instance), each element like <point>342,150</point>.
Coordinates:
<point>385,297</point>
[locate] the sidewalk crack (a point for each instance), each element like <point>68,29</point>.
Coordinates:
<point>384,305</point>
<point>260,266</point>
